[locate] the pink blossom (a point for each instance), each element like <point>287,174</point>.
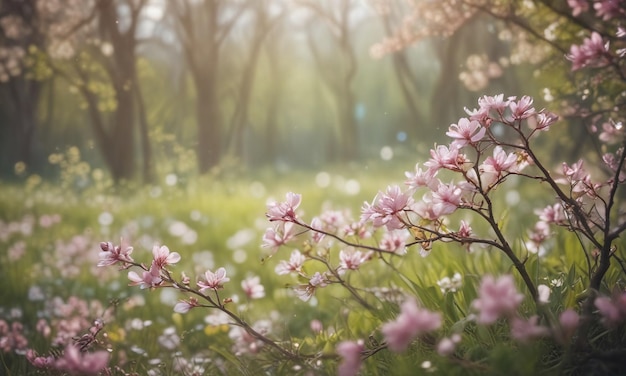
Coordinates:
<point>545,119</point>
<point>393,241</point>
<point>527,330</point>
<point>578,6</point>
<point>253,288</point>
<point>350,353</point>
<point>466,132</point>
<point>608,9</point>
<point>522,109</point>
<point>612,310</point>
<point>386,208</point>
<point>316,224</point>
<point>213,281</point>
<point>305,292</point>
<point>162,256</point>
<point>447,158</point>
<point>296,260</point>
<point>494,167</point>
<point>351,259</point>
<point>421,178</point>
<point>536,238</point>
<point>495,103</point>
<point>77,363</point>
<point>316,326</point>
<point>480,115</point>
<point>496,298</point>
<point>552,214</point>
<point>446,346</point>
<point>278,236</point>
<point>594,52</point>
<point>426,207</point>
<point>411,323</point>
<point>358,229</point>
<point>286,210</point>
<point>112,254</point>
<point>612,132</point>
<point>40,361</point>
<point>447,198</point>
<point>185,306</point>
<point>148,279</point>
<point>465,230</point>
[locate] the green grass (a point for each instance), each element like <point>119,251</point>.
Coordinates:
<point>60,261</point>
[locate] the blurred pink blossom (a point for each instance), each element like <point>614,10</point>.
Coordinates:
<point>253,288</point>
<point>411,323</point>
<point>496,298</point>
<point>350,353</point>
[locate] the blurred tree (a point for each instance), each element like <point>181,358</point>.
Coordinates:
<point>337,65</point>
<point>202,27</point>
<point>265,17</point>
<point>20,92</point>
<point>493,35</point>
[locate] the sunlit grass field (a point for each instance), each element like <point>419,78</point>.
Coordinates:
<point>50,235</point>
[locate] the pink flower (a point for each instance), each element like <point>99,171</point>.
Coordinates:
<point>411,323</point>
<point>351,259</point>
<point>446,346</point>
<point>527,330</point>
<point>253,288</point>
<point>350,353</point>
<point>213,281</point>
<point>545,119</point>
<point>305,292</point>
<point>393,241</point>
<point>162,256</point>
<point>77,363</point>
<point>496,298</point>
<point>594,52</point>
<point>608,9</point>
<point>185,306</point>
<point>465,230</point>
<point>286,210</point>
<point>552,214</point>
<point>447,158</point>
<point>495,103</point>
<point>612,132</point>
<point>421,178</point>
<point>578,6</point>
<point>386,208</point>
<point>278,236</point>
<point>40,361</point>
<point>112,254</point>
<point>296,260</point>
<point>466,132</point>
<point>494,167</point>
<point>522,109</point>
<point>148,279</point>
<point>317,224</point>
<point>447,199</point>
<point>612,310</point>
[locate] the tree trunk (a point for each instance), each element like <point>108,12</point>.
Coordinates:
<point>209,125</point>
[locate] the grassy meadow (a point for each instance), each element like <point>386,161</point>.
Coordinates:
<point>50,235</point>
